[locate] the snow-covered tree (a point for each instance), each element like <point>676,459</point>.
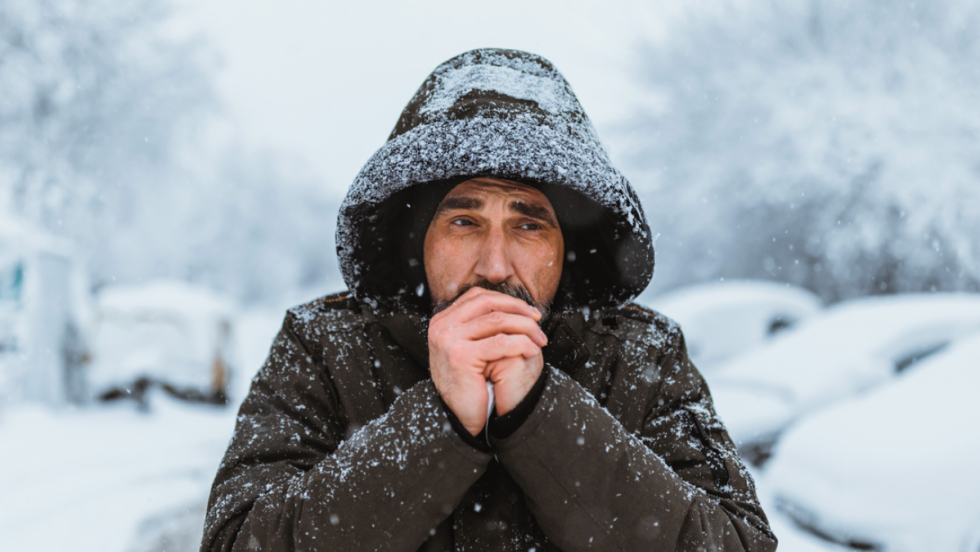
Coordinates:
<point>831,144</point>
<point>95,101</point>
<point>104,111</point>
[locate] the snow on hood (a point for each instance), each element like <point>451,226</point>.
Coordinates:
<point>510,115</point>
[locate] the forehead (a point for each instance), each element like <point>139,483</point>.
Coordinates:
<point>495,187</point>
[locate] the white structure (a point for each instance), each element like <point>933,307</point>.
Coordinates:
<point>40,303</point>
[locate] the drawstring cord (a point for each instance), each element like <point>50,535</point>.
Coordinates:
<point>490,405</point>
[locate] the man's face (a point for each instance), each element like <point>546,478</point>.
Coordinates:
<point>496,231</point>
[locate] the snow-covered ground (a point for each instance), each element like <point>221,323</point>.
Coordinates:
<point>111,478</point>
<point>106,479</point>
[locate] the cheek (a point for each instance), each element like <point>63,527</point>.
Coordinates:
<point>543,265</point>
<point>444,268</point>
<point>553,268</point>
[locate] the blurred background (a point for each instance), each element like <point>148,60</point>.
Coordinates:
<point>170,174</point>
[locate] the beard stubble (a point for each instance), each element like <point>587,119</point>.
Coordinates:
<point>516,291</point>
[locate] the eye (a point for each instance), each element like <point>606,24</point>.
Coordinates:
<point>462,222</point>
<point>530,226</point>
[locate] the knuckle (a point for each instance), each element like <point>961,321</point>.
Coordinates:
<point>500,341</point>
<point>530,345</point>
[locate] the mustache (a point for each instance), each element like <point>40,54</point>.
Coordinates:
<point>517,291</point>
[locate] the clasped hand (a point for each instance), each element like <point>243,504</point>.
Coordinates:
<point>485,336</point>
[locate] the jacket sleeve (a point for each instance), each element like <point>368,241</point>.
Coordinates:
<point>290,481</point>
<point>676,484</point>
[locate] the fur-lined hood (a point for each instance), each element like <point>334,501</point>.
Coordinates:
<point>505,114</point>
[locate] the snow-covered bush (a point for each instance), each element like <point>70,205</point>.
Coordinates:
<point>830,144</point>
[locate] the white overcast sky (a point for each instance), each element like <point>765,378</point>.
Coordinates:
<point>323,82</point>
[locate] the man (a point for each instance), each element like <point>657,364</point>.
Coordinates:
<point>489,240</point>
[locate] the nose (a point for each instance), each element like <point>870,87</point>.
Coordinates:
<point>494,262</point>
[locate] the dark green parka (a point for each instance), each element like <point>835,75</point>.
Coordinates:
<point>343,443</point>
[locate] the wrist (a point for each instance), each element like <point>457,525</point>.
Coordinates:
<point>503,426</point>
<point>469,438</point>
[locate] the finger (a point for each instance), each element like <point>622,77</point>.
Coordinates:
<point>471,294</point>
<point>467,296</point>
<point>498,322</point>
<point>511,314</point>
<point>491,301</point>
<point>452,312</point>
<point>496,368</point>
<point>503,346</point>
<point>513,371</point>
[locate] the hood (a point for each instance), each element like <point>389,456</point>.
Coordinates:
<point>505,114</point>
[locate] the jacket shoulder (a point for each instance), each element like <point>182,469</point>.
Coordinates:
<point>646,315</point>
<point>334,312</point>
<point>637,322</point>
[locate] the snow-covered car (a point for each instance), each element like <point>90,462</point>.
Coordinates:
<point>41,316</point>
<point>722,319</point>
<point>848,348</point>
<point>896,468</point>
<point>167,334</point>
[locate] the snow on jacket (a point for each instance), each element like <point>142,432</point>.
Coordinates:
<point>343,443</point>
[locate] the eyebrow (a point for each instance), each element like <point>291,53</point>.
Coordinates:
<point>532,210</point>
<point>535,211</point>
<point>453,203</point>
